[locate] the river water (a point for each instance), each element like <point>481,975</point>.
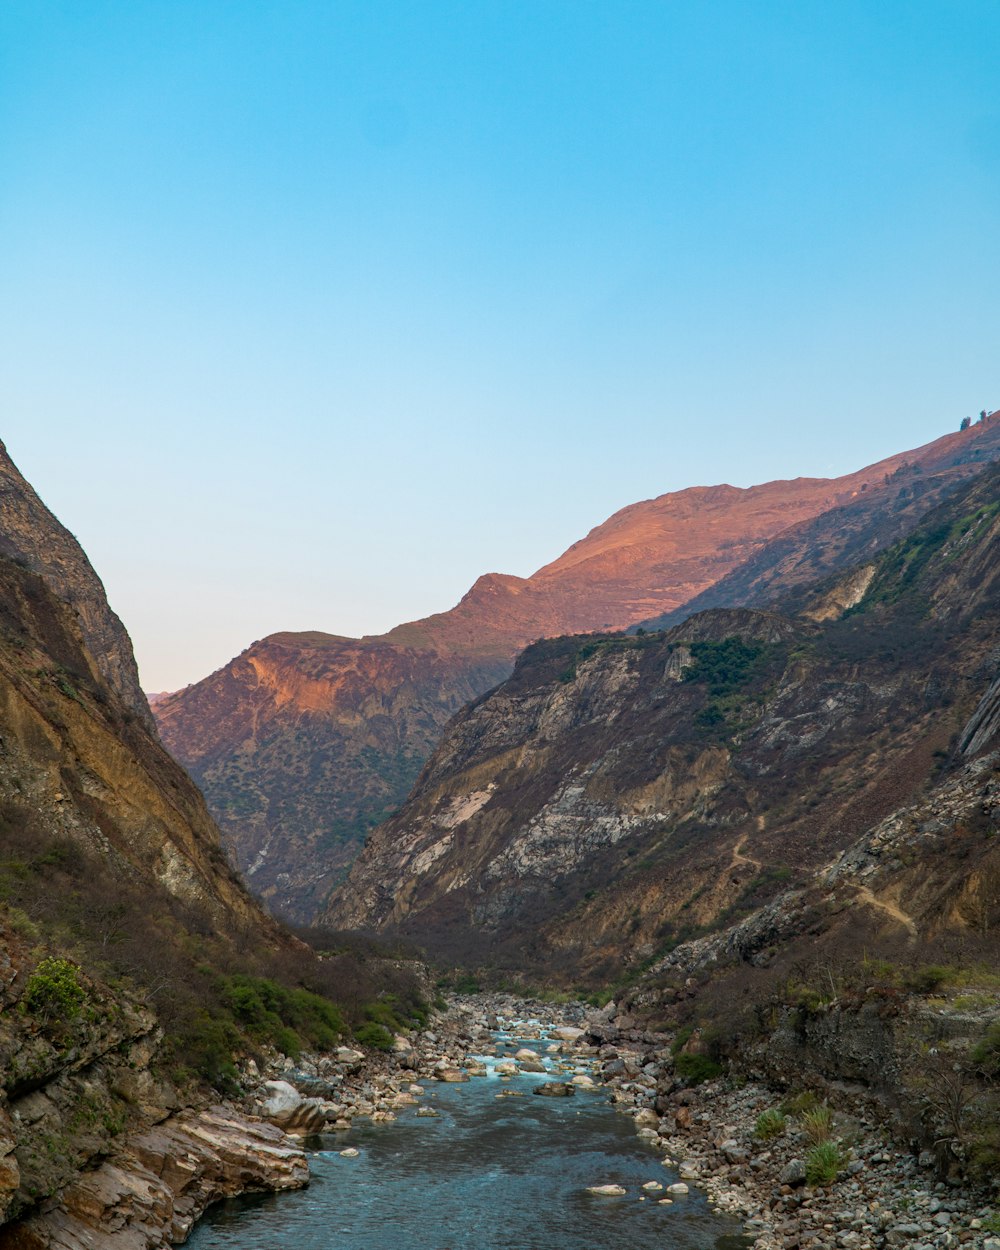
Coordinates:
<point>492,1173</point>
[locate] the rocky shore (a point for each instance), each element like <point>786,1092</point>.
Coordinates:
<point>709,1135</point>
<point>880,1197</point>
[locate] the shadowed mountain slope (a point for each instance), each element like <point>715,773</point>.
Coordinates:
<point>31,535</point>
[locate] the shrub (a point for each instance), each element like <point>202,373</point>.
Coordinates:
<point>927,979</point>
<point>770,1123</point>
<point>695,1069</point>
<point>823,1162</point>
<point>818,1123</point>
<point>53,991</point>
<point>986,1053</point>
<point>799,1103</point>
<point>374,1036</point>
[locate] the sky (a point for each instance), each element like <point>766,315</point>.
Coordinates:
<point>310,313</point>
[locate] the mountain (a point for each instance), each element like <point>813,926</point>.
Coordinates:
<point>622,795</point>
<point>304,742</point>
<point>31,536</point>
<point>129,948</point>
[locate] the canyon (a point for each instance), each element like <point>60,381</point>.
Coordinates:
<point>306,741</point>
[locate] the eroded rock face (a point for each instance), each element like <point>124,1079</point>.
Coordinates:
<point>31,534</point>
<point>305,741</point>
<point>155,1189</point>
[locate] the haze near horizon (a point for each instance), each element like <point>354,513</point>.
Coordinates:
<point>311,316</point>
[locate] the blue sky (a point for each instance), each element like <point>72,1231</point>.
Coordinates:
<point>312,312</point>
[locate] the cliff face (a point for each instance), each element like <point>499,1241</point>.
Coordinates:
<point>88,768</point>
<point>31,535</point>
<point>306,741</point>
<point>619,795</point>
<point>109,859</point>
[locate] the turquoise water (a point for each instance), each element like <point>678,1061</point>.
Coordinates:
<point>491,1173</point>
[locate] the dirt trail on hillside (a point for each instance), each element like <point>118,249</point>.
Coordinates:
<point>740,858</point>
<point>890,909</point>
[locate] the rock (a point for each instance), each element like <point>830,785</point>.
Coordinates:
<point>346,1055</point>
<point>652,1186</point>
<point>288,1110</point>
<point>349,1153</point>
<point>926,1159</point>
<point>165,1178</point>
<point>793,1173</point>
<point>452,1076</point>
<point>555,1089</point>
<point>583,1082</point>
<point>606,1191</point>
<point>678,1187</point>
<point>903,1235</point>
<point>567,1033</point>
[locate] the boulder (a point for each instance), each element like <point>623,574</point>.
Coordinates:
<point>555,1089</point>
<point>606,1191</point>
<point>288,1110</point>
<point>793,1173</point>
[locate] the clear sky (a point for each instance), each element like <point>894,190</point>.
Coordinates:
<point>312,312</point>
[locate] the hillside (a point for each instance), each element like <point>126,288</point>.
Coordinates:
<point>128,945</point>
<point>32,537</point>
<point>304,742</point>
<point>621,795</point>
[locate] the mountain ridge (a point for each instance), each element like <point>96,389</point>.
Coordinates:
<point>376,705</point>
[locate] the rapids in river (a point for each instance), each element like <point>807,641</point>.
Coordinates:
<point>494,1173</point>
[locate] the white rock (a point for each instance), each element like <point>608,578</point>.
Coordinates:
<point>652,1186</point>
<point>677,1188</point>
<point>606,1191</point>
<point>349,1153</point>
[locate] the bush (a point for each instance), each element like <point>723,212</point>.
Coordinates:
<point>799,1103</point>
<point>818,1123</point>
<point>53,991</point>
<point>986,1053</point>
<point>823,1162</point>
<point>374,1036</point>
<point>927,979</point>
<point>695,1069</point>
<point>770,1124</point>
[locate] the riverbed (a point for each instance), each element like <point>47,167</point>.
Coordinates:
<point>498,1167</point>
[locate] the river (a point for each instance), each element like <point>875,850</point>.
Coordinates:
<point>494,1173</point>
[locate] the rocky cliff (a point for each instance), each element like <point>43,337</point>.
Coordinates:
<point>31,536</point>
<point>122,928</point>
<point>619,795</point>
<point>305,741</point>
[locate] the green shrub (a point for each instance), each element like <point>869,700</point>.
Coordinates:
<point>823,1162</point>
<point>818,1123</point>
<point>770,1124</point>
<point>681,1039</point>
<point>805,1100</point>
<point>695,1069</point>
<point>53,991</point>
<point>986,1052</point>
<point>927,979</point>
<point>374,1036</point>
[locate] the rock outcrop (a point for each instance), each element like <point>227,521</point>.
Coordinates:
<point>157,1186</point>
<point>31,536</point>
<point>306,741</point>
